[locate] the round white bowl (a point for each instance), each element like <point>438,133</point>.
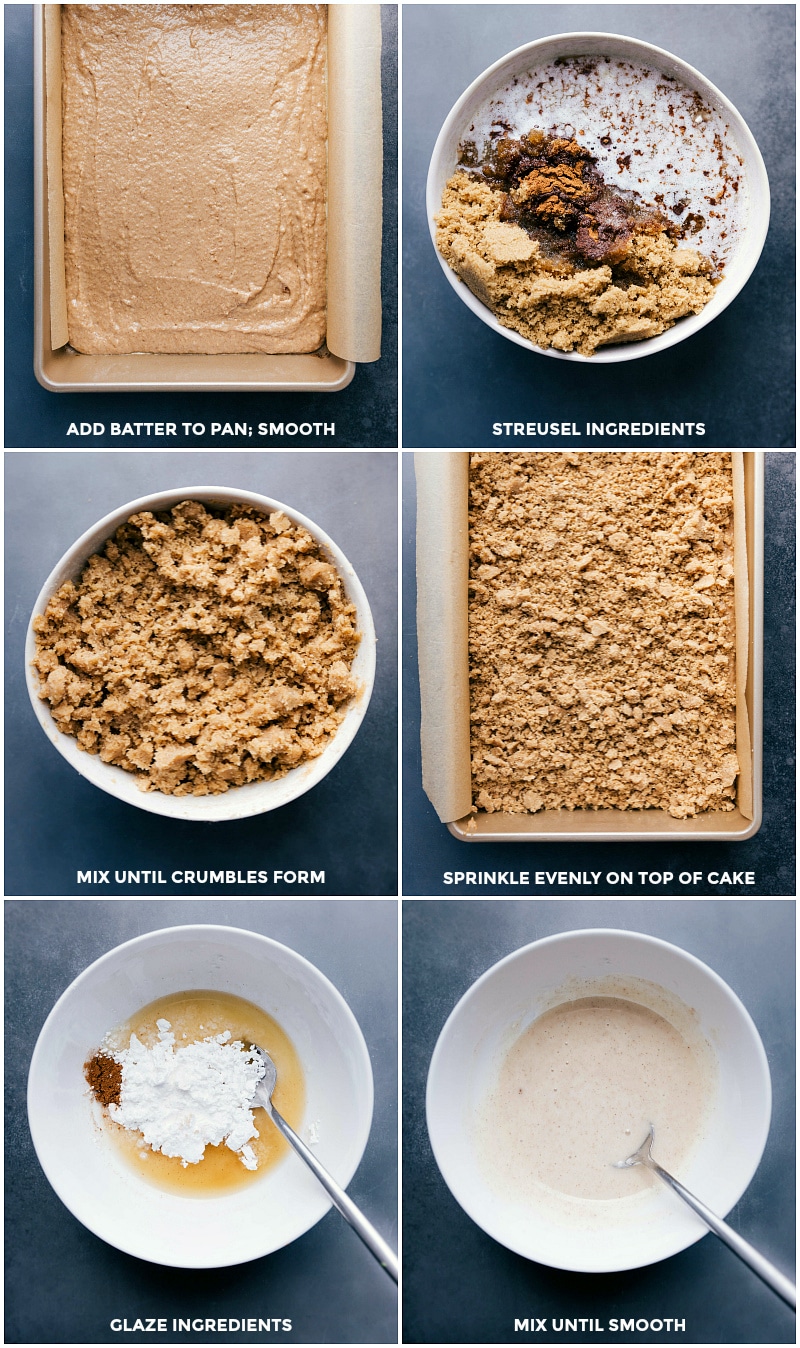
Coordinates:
<point>240,801</point>
<point>82,1164</point>
<point>499,1007</point>
<point>444,161</point>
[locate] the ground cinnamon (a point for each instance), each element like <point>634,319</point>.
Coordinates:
<point>553,185</point>
<point>104,1075</point>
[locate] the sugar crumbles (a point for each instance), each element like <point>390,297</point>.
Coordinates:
<point>601,632</point>
<point>203,648</point>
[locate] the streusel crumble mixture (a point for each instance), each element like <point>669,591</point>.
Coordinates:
<point>203,648</point>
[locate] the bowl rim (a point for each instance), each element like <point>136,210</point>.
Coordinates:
<point>215,808</point>
<point>359,1047</point>
<point>464,1199</point>
<point>756,230</point>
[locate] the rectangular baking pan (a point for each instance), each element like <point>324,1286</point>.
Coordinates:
<point>68,371</point>
<point>657,825</point>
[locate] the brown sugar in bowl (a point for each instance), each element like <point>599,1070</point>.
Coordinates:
<point>511,71</point>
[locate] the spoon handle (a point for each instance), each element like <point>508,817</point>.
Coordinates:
<point>342,1201</point>
<point>772,1276</point>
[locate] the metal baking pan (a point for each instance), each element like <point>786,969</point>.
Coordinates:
<point>657,825</point>
<point>65,370</point>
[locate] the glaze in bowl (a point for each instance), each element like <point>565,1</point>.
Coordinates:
<point>500,1006</point>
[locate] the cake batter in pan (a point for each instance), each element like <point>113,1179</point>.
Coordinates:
<point>354,232</point>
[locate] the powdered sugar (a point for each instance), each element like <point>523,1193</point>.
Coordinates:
<point>184,1099</point>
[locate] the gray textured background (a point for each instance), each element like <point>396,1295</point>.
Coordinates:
<point>58,823</point>
<point>460,1286</point>
<point>63,1284</point>
<point>429,850</point>
<point>737,375</point>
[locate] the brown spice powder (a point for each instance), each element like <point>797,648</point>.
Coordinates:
<point>104,1075</point>
<point>555,191</point>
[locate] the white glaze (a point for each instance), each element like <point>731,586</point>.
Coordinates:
<point>577,1091</point>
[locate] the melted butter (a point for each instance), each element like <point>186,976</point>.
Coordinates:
<point>651,135</point>
<point>196,1015</point>
<point>577,1091</point>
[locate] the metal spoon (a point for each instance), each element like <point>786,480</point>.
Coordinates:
<point>374,1242</point>
<point>765,1270</point>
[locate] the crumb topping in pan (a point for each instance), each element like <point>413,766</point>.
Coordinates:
<point>601,631</point>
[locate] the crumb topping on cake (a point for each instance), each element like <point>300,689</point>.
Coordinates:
<point>601,631</point>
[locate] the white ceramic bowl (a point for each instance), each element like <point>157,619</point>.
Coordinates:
<point>241,801</point>
<point>517,64</point>
<point>114,1202</point>
<point>502,1003</point>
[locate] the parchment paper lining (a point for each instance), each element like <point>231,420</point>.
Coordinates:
<point>355,164</point>
<point>355,167</point>
<point>442,630</point>
<point>741,599</point>
<point>59,331</point>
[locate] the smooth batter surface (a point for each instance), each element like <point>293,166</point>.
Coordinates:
<point>194,151</point>
<point>578,1090</point>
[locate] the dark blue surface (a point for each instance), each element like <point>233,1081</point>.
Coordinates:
<point>737,375</point>
<point>63,1284</point>
<point>58,823</point>
<point>429,850</point>
<point>365,412</point>
<point>460,1286</point>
